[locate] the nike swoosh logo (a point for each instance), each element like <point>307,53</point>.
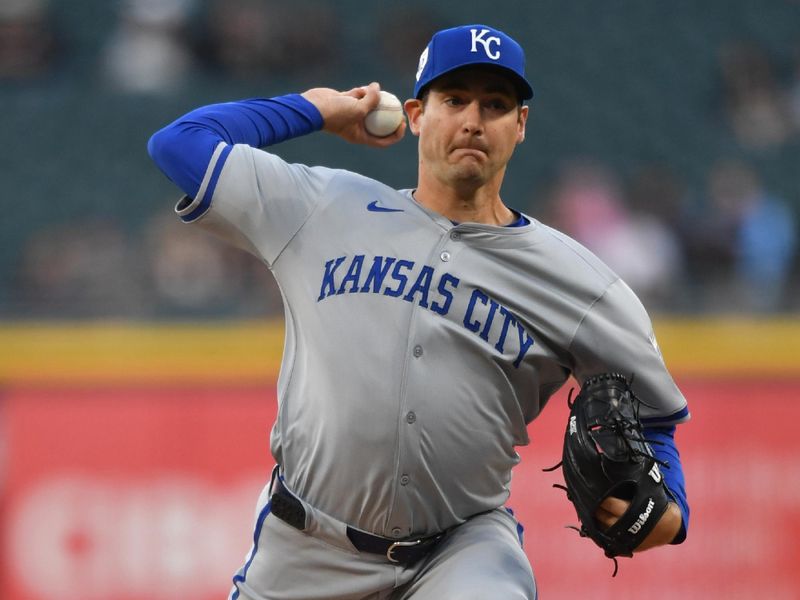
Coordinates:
<point>375,207</point>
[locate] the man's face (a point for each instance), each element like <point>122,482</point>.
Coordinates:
<point>468,127</point>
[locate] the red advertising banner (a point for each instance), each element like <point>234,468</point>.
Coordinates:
<point>148,494</point>
<point>131,494</point>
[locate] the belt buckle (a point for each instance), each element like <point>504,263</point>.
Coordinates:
<point>396,545</point>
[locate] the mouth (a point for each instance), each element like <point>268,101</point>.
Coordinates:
<point>473,150</point>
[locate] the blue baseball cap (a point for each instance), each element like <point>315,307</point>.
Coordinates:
<point>451,49</point>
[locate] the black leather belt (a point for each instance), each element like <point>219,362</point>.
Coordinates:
<point>289,509</point>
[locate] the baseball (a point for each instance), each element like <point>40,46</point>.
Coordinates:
<point>385,118</point>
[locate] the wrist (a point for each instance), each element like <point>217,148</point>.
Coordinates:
<point>665,530</point>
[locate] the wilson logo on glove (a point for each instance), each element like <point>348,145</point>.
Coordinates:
<point>655,473</point>
<point>636,527</point>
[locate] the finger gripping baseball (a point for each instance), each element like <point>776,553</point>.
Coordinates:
<point>605,454</point>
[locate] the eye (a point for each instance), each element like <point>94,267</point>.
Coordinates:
<point>498,104</point>
<point>453,101</point>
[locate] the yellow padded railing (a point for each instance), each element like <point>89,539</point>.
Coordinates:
<point>248,352</point>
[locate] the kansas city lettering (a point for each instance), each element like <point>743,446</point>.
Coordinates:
<point>390,277</point>
<point>482,312</point>
<point>404,279</point>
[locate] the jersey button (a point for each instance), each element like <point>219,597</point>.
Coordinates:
<point>417,351</point>
<point>411,417</point>
<point>404,480</point>
<point>397,532</point>
<point>455,236</point>
<point>445,256</point>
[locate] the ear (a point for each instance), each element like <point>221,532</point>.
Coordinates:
<point>413,108</point>
<point>522,120</point>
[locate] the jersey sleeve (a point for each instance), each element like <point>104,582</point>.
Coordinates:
<point>258,201</point>
<point>616,334</point>
<point>183,149</point>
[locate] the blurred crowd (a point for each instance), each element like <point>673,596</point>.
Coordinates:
<point>732,249</point>
<point>156,46</point>
<point>93,268</point>
<point>729,244</point>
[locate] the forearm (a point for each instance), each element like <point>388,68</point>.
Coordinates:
<point>672,525</point>
<point>662,442</point>
<point>182,150</point>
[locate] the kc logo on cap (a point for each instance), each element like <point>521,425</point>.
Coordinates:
<point>451,49</point>
<point>480,38</point>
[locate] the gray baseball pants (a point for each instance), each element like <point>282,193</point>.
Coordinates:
<point>479,560</point>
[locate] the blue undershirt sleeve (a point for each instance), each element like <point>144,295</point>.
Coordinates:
<point>663,444</point>
<point>183,149</point>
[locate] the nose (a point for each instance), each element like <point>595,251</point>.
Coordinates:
<point>472,121</point>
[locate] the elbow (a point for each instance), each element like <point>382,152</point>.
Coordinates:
<point>182,154</point>
<point>161,147</point>
<point>168,151</point>
<point>154,146</point>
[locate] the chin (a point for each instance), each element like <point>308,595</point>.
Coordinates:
<point>468,173</point>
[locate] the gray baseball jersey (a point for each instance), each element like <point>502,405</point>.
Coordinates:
<point>418,350</point>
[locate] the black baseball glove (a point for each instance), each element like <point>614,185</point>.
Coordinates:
<point>605,454</point>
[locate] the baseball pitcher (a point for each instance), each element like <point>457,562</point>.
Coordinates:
<point>425,329</point>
